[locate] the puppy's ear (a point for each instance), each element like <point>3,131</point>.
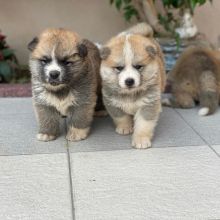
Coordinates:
<point>82,50</point>
<point>104,52</point>
<point>32,45</point>
<point>151,51</point>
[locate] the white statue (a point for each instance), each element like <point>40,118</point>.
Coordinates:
<point>188,28</point>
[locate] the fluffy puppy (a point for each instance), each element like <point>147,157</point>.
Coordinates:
<point>196,78</point>
<point>141,29</point>
<point>64,71</point>
<point>133,77</point>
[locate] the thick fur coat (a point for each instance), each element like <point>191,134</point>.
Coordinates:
<point>133,77</point>
<point>196,79</point>
<point>65,72</point>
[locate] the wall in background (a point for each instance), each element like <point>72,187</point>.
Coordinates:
<point>94,19</point>
<point>207,18</point>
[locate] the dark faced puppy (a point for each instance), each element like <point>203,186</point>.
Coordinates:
<point>64,82</point>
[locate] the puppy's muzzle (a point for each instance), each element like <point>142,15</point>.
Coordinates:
<point>54,74</point>
<point>54,77</point>
<point>129,82</point>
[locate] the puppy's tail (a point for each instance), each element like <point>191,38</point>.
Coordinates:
<point>140,28</point>
<point>209,97</point>
<point>208,102</point>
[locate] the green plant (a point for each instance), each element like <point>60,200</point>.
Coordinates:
<point>22,75</point>
<point>184,4</point>
<point>127,7</point>
<point>162,23</point>
<point>8,61</point>
<point>169,20</point>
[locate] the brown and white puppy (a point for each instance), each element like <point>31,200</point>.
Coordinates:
<point>196,78</point>
<point>64,71</point>
<point>133,77</point>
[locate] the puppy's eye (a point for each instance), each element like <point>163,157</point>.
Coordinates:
<point>138,67</point>
<point>67,62</point>
<point>119,68</point>
<point>45,60</point>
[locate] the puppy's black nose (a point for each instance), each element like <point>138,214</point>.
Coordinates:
<point>129,82</point>
<point>54,74</point>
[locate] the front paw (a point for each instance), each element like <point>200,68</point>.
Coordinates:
<point>124,130</point>
<point>140,142</point>
<point>77,134</point>
<point>166,102</point>
<point>45,137</point>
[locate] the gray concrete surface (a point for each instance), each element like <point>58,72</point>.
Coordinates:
<point>103,178</point>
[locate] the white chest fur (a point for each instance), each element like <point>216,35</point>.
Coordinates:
<point>130,106</point>
<point>60,104</point>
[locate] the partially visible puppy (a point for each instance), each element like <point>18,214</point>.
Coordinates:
<point>64,71</point>
<point>133,77</point>
<point>141,29</point>
<point>196,78</point>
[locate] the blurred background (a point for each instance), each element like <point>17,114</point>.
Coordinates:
<point>97,20</point>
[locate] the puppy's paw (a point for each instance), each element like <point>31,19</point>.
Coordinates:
<point>45,137</point>
<point>140,142</point>
<point>77,134</point>
<point>166,102</point>
<point>124,130</point>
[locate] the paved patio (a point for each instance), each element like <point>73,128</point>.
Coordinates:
<point>103,178</point>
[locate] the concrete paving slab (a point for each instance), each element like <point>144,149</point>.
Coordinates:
<point>35,187</point>
<point>207,127</point>
<point>158,183</point>
<point>18,136</point>
<point>171,131</point>
<point>15,106</point>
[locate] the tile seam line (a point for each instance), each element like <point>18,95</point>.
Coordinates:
<point>19,113</point>
<point>199,134</point>
<point>90,151</point>
<point>70,173</point>
<point>133,149</point>
<point>14,155</point>
<point>71,182</point>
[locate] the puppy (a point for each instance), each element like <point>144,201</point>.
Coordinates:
<point>196,78</point>
<point>141,28</point>
<point>64,71</point>
<point>133,77</point>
